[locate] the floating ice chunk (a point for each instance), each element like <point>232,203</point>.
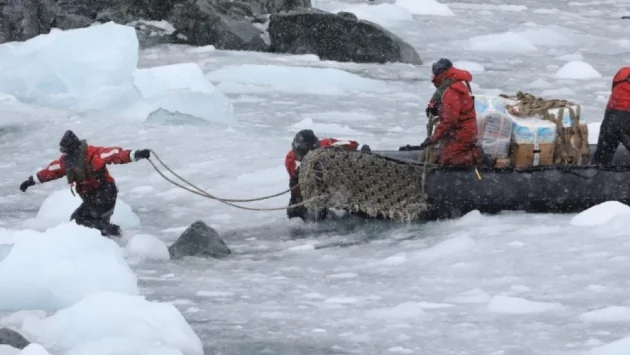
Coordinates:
<point>471,296</point>
<point>34,349</point>
<point>406,310</point>
<point>381,14</point>
<point>571,57</point>
<point>60,205</point>
<point>446,248</point>
<point>59,267</point>
<point>508,42</point>
<point>593,132</point>
<point>330,128</point>
<point>514,305</point>
<point>472,67</point>
<point>425,7</point>
<point>119,323</point>
<point>553,36</point>
<point>168,118</point>
<point>87,68</point>
<point>617,347</point>
<point>292,80</point>
<point>600,214</point>
<point>577,70</point>
<point>147,247</point>
<point>613,314</point>
<point>180,88</point>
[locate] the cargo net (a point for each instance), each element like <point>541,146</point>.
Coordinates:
<point>361,183</point>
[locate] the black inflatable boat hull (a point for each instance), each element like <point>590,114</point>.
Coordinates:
<point>454,191</point>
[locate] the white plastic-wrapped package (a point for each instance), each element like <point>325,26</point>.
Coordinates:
<point>497,135</point>
<point>532,130</point>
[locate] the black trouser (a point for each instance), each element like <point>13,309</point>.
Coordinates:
<point>97,207</point>
<point>614,129</point>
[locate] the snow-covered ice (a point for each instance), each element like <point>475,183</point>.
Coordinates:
<point>291,80</point>
<point>426,7</point>
<point>82,69</point>
<point>104,321</point>
<point>147,247</point>
<point>612,314</point>
<point>601,214</point>
<point>59,267</point>
<point>59,206</point>
<point>516,305</point>
<point>577,70</point>
<point>509,42</point>
<point>472,67</point>
<point>180,88</point>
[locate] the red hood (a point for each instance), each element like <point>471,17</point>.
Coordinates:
<point>622,74</point>
<point>453,74</point>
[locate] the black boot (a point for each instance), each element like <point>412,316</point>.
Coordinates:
<point>110,230</point>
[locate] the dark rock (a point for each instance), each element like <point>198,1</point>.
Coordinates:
<point>199,23</point>
<point>24,19</point>
<point>12,338</point>
<point>199,240</point>
<point>625,17</point>
<point>70,21</point>
<point>235,9</point>
<point>337,38</point>
<point>349,15</point>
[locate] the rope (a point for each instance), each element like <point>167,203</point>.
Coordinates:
<point>228,202</point>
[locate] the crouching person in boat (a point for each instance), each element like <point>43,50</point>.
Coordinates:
<point>85,167</point>
<point>615,127</point>
<point>303,142</point>
<point>454,104</point>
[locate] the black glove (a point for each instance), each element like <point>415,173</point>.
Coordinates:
<point>142,154</point>
<point>432,111</point>
<point>365,149</point>
<point>408,148</point>
<point>427,142</point>
<point>27,183</point>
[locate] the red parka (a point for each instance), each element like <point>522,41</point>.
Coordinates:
<point>96,174</point>
<point>457,129</point>
<point>290,162</point>
<point>620,95</point>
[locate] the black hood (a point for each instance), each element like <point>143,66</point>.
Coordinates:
<point>69,142</point>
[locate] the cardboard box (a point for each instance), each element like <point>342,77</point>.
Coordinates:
<point>502,163</point>
<point>527,155</point>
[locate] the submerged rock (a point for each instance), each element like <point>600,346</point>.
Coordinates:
<point>339,38</point>
<point>199,240</point>
<point>12,338</point>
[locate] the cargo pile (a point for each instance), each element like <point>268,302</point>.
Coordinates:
<point>524,131</point>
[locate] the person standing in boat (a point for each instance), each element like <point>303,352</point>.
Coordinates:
<point>615,127</point>
<point>454,104</point>
<point>303,142</point>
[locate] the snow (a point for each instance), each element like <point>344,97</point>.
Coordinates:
<point>601,214</point>
<point>577,70</point>
<point>509,42</point>
<point>59,206</point>
<point>425,7</point>
<point>181,88</point>
<point>515,305</point>
<point>96,74</point>
<point>612,314</point>
<point>147,247</point>
<point>617,347</point>
<point>115,323</point>
<point>59,267</point>
<point>34,349</point>
<point>472,67</point>
<point>381,14</point>
<point>291,80</point>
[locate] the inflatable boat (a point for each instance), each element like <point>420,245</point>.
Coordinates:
<point>440,192</point>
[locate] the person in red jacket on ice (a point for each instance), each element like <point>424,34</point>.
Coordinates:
<point>85,167</point>
<point>454,104</point>
<point>303,142</point>
<point>615,127</point>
